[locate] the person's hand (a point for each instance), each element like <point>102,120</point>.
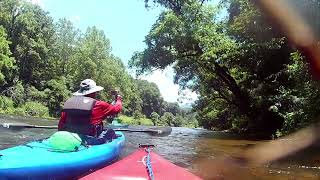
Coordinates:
<point>116,94</point>
<point>118,97</point>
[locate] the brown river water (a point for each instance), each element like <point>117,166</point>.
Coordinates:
<point>197,150</point>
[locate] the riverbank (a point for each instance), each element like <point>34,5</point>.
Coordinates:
<point>122,119</point>
<point>130,120</point>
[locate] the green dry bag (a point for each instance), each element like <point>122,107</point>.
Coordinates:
<point>65,141</point>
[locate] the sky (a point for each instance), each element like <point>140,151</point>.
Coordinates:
<point>125,23</point>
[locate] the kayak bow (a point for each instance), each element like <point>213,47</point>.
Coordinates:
<point>142,164</point>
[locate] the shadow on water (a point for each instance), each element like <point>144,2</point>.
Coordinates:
<point>187,148</point>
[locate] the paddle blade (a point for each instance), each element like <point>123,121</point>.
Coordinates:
<point>160,131</point>
<point>14,126</point>
<point>20,126</point>
<point>154,131</point>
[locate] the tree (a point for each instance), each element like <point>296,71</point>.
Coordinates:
<point>238,66</point>
<point>66,44</point>
<point>57,93</point>
<point>155,118</point>
<point>167,119</point>
<point>171,107</point>
<point>178,121</point>
<point>199,50</point>
<point>150,96</point>
<point>7,63</point>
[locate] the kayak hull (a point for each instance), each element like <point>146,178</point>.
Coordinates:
<point>115,124</point>
<point>36,160</point>
<point>133,167</point>
<point>112,126</point>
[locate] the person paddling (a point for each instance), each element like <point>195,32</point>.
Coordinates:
<point>84,115</point>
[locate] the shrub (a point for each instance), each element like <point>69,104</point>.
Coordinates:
<point>17,111</point>
<point>35,109</point>
<point>127,120</point>
<point>145,121</point>
<point>5,103</point>
<point>137,115</point>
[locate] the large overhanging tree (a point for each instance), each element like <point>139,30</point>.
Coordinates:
<point>226,62</point>
<point>188,37</point>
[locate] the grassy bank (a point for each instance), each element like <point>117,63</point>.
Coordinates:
<point>122,118</point>
<point>130,120</point>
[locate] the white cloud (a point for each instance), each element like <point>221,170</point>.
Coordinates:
<point>74,19</point>
<point>38,2</point>
<point>170,91</point>
<point>187,96</point>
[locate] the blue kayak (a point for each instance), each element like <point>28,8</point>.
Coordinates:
<point>36,160</point>
<point>115,124</point>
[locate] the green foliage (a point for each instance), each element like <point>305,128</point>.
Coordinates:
<point>172,108</point>
<point>5,104</point>
<point>137,115</point>
<point>29,108</point>
<point>57,93</point>
<point>66,47</point>
<point>167,119</point>
<point>155,118</point>
<point>178,121</point>
<point>17,93</point>
<point>7,63</point>
<point>35,109</point>
<point>20,111</point>
<point>130,120</point>
<point>33,94</point>
<point>145,121</point>
<point>31,32</point>
<point>150,96</point>
<point>298,102</point>
<point>189,119</point>
<point>126,119</point>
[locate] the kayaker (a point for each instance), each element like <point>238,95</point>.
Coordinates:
<point>84,114</point>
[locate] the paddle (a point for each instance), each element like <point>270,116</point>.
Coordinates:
<point>19,126</point>
<point>155,131</point>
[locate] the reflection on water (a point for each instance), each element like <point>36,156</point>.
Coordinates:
<point>195,149</point>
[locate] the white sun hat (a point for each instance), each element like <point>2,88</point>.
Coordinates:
<point>87,86</point>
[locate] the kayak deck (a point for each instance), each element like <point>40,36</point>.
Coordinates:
<point>134,167</point>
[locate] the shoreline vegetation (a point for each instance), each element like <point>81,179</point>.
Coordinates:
<point>34,109</point>
<point>121,119</point>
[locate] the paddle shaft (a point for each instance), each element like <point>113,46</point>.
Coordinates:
<point>23,125</point>
<point>139,130</point>
<point>155,131</point>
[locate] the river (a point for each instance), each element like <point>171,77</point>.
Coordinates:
<point>197,150</point>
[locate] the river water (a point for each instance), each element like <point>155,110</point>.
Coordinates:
<point>197,150</point>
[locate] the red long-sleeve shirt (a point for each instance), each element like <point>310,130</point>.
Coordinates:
<point>100,111</point>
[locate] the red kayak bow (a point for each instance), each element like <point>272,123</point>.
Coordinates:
<point>142,165</point>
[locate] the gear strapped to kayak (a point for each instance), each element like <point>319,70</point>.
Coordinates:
<point>147,148</point>
<point>65,141</point>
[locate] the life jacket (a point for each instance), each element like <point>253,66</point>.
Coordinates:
<point>78,111</point>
